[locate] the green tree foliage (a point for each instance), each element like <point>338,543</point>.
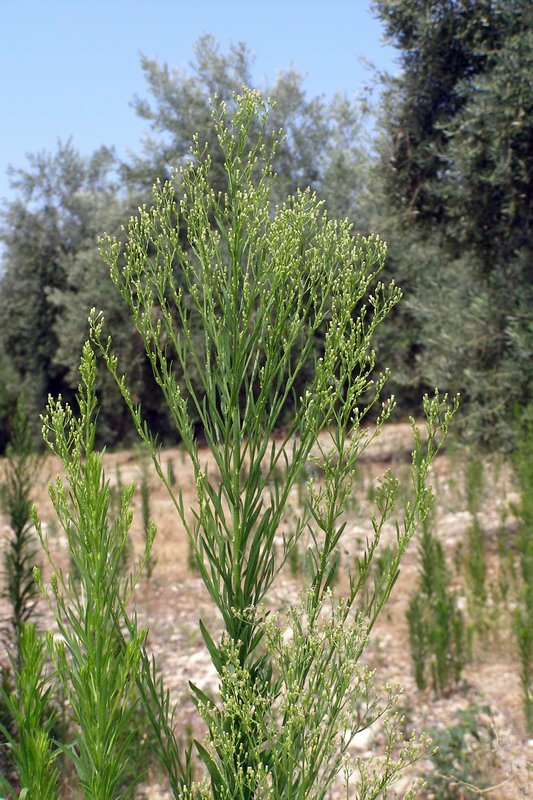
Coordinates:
<point>53,275</point>
<point>8,398</point>
<point>54,214</point>
<point>456,160</point>
<point>322,146</point>
<point>52,272</point>
<point>86,285</point>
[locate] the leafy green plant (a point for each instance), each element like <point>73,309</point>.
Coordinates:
<point>7,723</point>
<point>171,473</point>
<point>115,491</point>
<point>95,663</point>
<point>523,616</point>
<point>437,632</point>
<point>20,557</point>
<point>30,743</point>
<point>506,565</point>
<point>476,555</point>
<point>295,560</point>
<point>144,467</point>
<point>263,282</point>
<point>191,557</point>
<point>21,553</point>
<point>293,690</point>
<point>463,757</point>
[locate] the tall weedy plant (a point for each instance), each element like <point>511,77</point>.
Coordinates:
<point>32,752</point>
<point>476,553</point>
<point>27,716</point>
<point>21,552</point>
<point>523,615</point>
<point>96,663</point>
<point>227,287</point>
<point>437,631</point>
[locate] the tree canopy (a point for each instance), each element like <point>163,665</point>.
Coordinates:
<point>456,158</point>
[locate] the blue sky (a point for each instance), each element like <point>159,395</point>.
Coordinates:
<point>70,68</point>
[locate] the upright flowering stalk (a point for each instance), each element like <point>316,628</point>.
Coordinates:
<point>96,663</point>
<point>258,320</point>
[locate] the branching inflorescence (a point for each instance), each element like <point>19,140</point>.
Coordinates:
<point>273,310</point>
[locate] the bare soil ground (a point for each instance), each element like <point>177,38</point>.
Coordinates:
<point>172,602</point>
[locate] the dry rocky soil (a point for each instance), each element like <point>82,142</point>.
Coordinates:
<point>171,603</point>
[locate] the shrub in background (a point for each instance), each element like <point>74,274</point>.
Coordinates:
<point>437,632</point>
<point>19,587</point>
<point>464,757</point>
<point>21,553</point>
<point>523,616</point>
<point>475,558</point>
